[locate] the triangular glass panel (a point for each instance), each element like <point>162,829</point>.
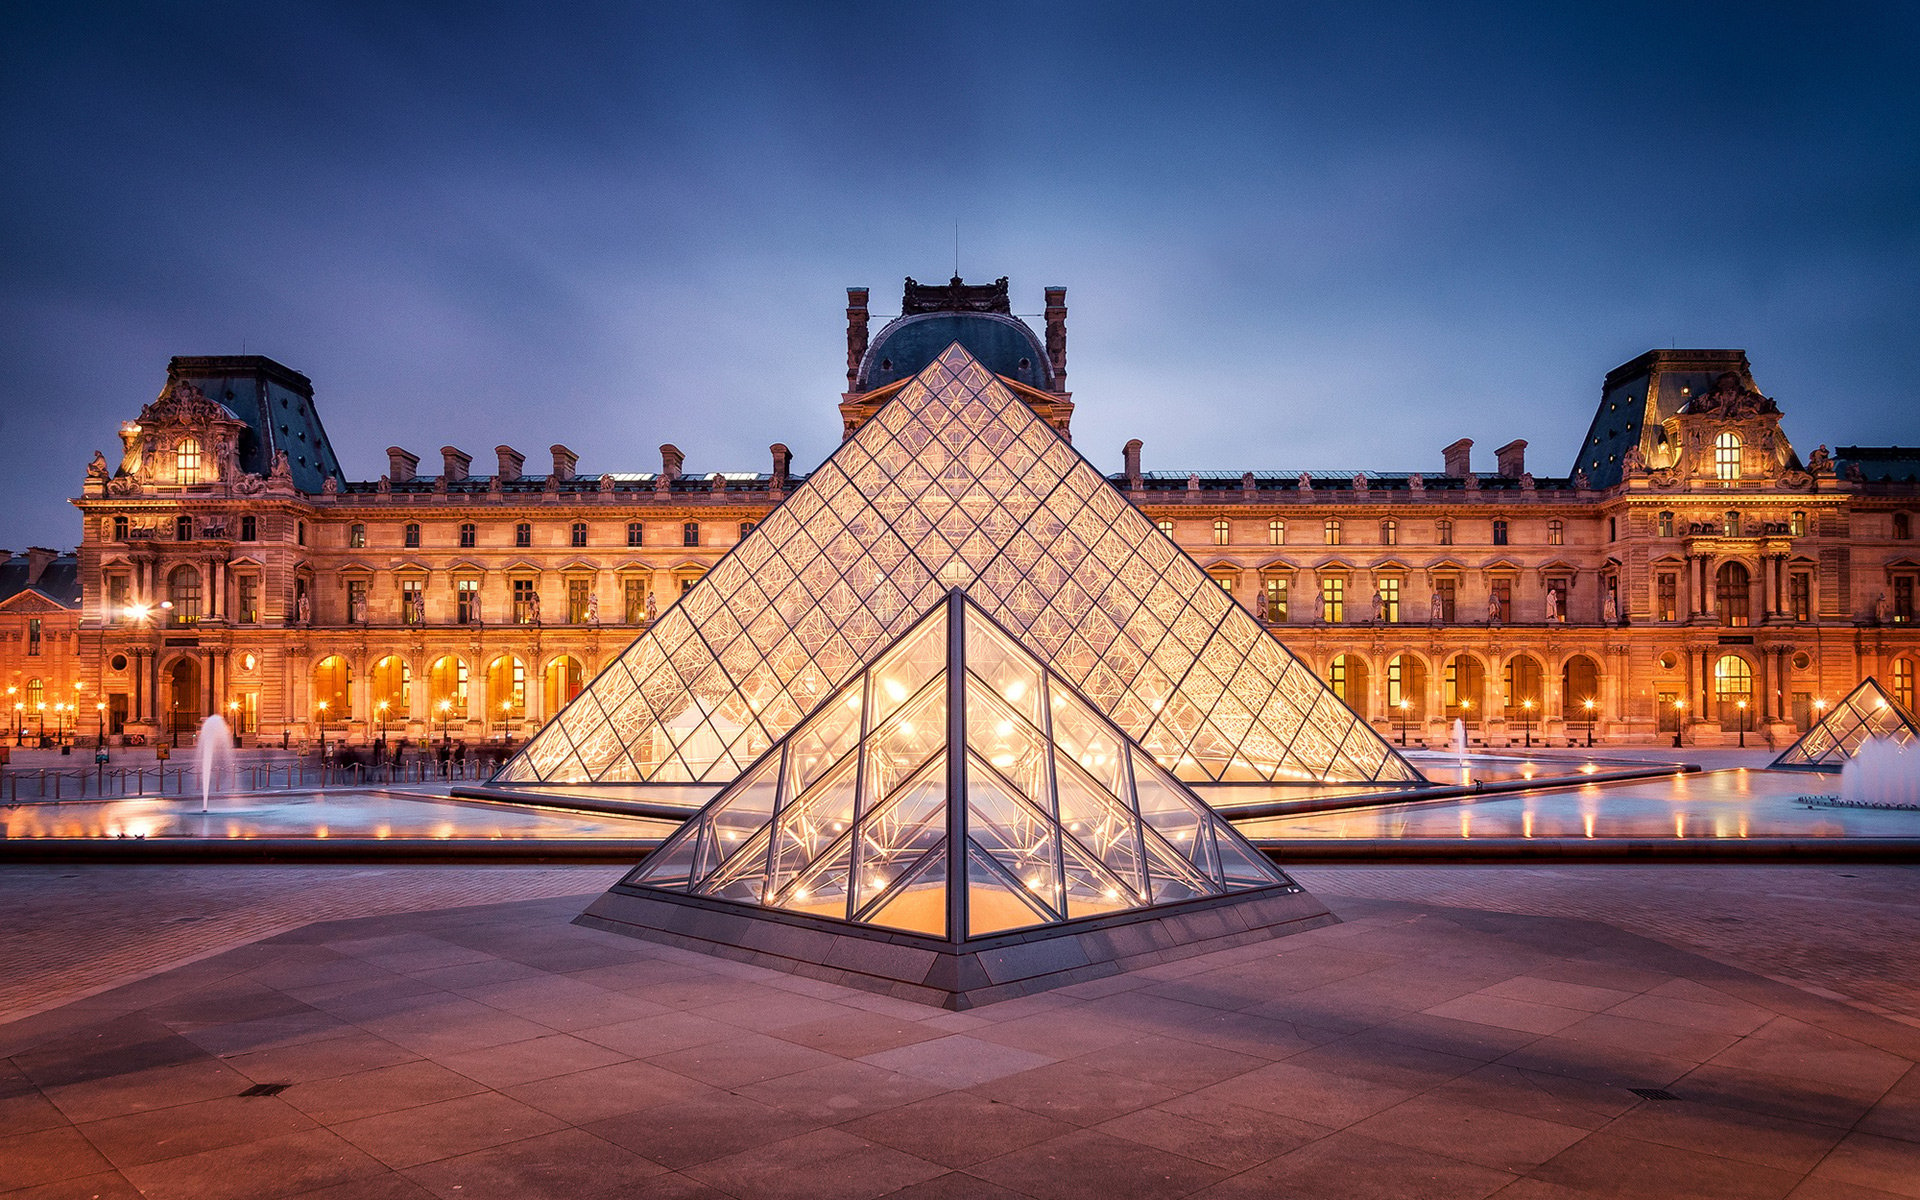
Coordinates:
<point>1867,714</point>
<point>919,903</point>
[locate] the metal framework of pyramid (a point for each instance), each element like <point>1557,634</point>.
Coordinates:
<point>956,824</point>
<point>955,482</point>
<point>1867,713</point>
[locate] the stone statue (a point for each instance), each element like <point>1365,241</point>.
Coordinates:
<point>1820,462</point>
<point>533,608</point>
<point>330,486</point>
<point>1556,605</point>
<point>1526,481</point>
<point>474,609</point>
<point>1359,483</point>
<point>1581,482</point>
<point>229,455</point>
<point>1436,611</point>
<point>1610,609</point>
<point>1305,482</point>
<point>384,487</point>
<point>1493,608</point>
<point>593,608</point>
<point>1260,606</point>
<point>1379,607</point>
<point>1320,609</point>
<point>1416,482</point>
<point>130,443</point>
<point>1882,610</point>
<point>414,614</point>
<point>357,610</point>
<point>1635,461</point>
<point>282,470</point>
<point>653,608</point>
<point>97,469</point>
<point>606,483</point>
<point>1193,482</point>
<point>304,610</point>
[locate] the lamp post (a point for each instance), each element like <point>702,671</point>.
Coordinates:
<point>381,708</point>
<point>446,722</point>
<point>59,723</point>
<point>233,722</point>
<point>99,724</point>
<point>13,703</point>
<point>1588,705</point>
<point>322,707</point>
<point>506,716</point>
<point>1526,721</point>
<point>1405,705</point>
<point>42,709</point>
<point>1742,706</point>
<point>1679,721</point>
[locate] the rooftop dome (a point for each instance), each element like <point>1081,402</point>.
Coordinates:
<point>1004,344</point>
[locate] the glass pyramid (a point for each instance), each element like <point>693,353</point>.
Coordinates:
<point>1868,712</point>
<point>955,482</point>
<point>956,789</point>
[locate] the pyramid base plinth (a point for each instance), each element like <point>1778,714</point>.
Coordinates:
<point>956,975</point>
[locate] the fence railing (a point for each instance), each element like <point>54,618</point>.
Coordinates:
<point>34,784</point>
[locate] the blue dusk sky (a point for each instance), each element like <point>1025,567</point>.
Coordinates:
<point>1331,236</point>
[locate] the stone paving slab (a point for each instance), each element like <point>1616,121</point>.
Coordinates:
<point>1417,1049</point>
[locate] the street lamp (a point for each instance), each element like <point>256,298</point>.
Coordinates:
<point>233,722</point>
<point>99,724</point>
<point>322,706</point>
<point>1588,705</point>
<point>1405,705</point>
<point>446,722</point>
<point>42,707</point>
<point>506,716</point>
<point>1526,721</point>
<point>14,704</point>
<point>1679,721</point>
<point>1742,706</point>
<point>381,708</point>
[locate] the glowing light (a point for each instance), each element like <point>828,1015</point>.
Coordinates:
<point>1003,728</point>
<point>894,690</point>
<point>1016,689</point>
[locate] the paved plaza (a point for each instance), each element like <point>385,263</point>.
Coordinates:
<point>1464,1032</point>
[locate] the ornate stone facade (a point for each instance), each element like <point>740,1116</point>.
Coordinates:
<point>1691,559</point>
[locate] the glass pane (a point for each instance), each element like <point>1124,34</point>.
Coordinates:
<point>1020,837</point>
<point>898,833</point>
<point>671,865</point>
<point>1011,673</point>
<point>1014,748</point>
<point>819,744</point>
<point>920,906</point>
<point>905,668</point>
<point>993,906</point>
<point>1091,890</point>
<point>1087,740</point>
<point>1099,824</point>
<point>822,888</point>
<point>808,826</point>
<point>745,807</point>
<point>1241,865</point>
<point>904,741</point>
<point>742,877</point>
<point>1182,821</point>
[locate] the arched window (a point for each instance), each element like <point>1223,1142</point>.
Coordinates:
<point>1276,533</point>
<point>1347,679</point>
<point>186,461</point>
<point>469,535</point>
<point>1389,533</point>
<point>1666,524</point>
<point>332,691</point>
<point>1524,686</point>
<point>1332,531</point>
<point>410,536</point>
<point>1732,690</point>
<point>392,686</point>
<point>447,689</point>
<point>507,688</point>
<point>183,592</point>
<point>1463,691</point>
<point>579,533</point>
<point>1732,586</point>
<point>563,680</point>
<point>356,535</point>
<point>36,694</point>
<point>1406,688</point>
<point>1165,527</point>
<point>1221,532</point>
<point>1903,682</point>
<point>1580,688</point>
<point>1726,456</point>
<point>1556,533</point>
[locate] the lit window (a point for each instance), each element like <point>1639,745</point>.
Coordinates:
<point>356,535</point>
<point>1277,533</point>
<point>1333,601</point>
<point>1797,522</point>
<point>579,533</point>
<point>523,594</point>
<point>1726,456</point>
<point>1666,524</point>
<point>1165,527</point>
<point>1389,533</point>
<point>410,536</point>
<point>467,606</point>
<point>186,461</point>
<point>523,534</point>
<point>1332,532</point>
<point>1903,683</point>
<point>1390,601</point>
<point>634,533</point>
<point>1556,533</point>
<point>183,591</point>
<point>1276,599</point>
<point>1730,525</point>
<point>1221,532</point>
<point>469,535</point>
<point>1225,581</point>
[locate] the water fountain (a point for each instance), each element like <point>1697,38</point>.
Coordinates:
<point>1881,774</point>
<point>1460,737</point>
<point>213,754</point>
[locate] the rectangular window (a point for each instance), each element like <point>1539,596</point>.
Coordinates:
<point>1499,533</point>
<point>523,534</point>
<point>1666,524</point>
<point>467,601</point>
<point>523,601</point>
<point>690,534</point>
<point>1503,600</point>
<point>1390,600</point>
<point>1443,532</point>
<point>357,601</point>
<point>1797,523</point>
<point>1389,533</point>
<point>1333,601</point>
<point>746,527</point>
<point>1277,533</point>
<point>1222,531</point>
<point>1556,533</point>
<point>249,528</point>
<point>1276,599</point>
<point>579,533</point>
<point>1903,599</point>
<point>413,601</point>
<point>635,591</point>
<point>1166,527</point>
<point>1800,595</point>
<point>248,587</point>
<point>410,536</point>
<point>117,594</point>
<point>1902,527</point>
<point>1225,582</point>
<point>469,535</point>
<point>1666,601</point>
<point>33,637</point>
<point>577,592</point>
<point>1448,591</point>
<point>1332,532</point>
<point>634,533</point>
<point>121,525</point>
<point>356,536</point>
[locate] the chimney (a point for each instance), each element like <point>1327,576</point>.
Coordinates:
<point>564,460</point>
<point>38,559</point>
<point>1057,335</point>
<point>401,465</point>
<point>782,466</point>
<point>454,463</point>
<point>511,461</point>
<point>671,460</point>
<point>1458,457</point>
<point>1131,454</point>
<point>856,333</point>
<point>1511,459</point>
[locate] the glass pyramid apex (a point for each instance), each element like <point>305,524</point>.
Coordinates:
<point>955,482</point>
<point>956,789</point>
<point>1867,713</point>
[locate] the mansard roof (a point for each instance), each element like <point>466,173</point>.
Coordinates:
<point>57,581</point>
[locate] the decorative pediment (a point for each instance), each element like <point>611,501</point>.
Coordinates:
<point>33,601</point>
<point>182,438</point>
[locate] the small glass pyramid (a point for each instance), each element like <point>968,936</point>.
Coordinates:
<point>1867,713</point>
<point>956,482</point>
<point>956,789</point>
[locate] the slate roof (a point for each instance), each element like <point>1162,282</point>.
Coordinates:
<point>59,582</point>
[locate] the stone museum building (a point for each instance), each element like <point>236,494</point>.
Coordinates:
<point>1693,570</point>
